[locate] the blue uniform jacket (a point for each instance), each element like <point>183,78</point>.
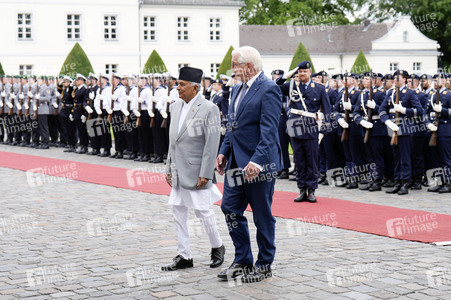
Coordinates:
<point>379,128</point>
<point>339,112</point>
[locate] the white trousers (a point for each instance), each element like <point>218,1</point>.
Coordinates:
<point>206,218</point>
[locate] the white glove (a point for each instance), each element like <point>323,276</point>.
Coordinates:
<point>12,96</point>
<point>19,107</point>
<point>1,103</point>
<point>343,123</point>
<point>113,97</point>
<point>399,108</point>
<point>91,95</point>
<point>128,98</point>
<point>89,109</point>
<point>164,114</point>
<point>83,119</point>
<point>101,97</point>
<point>371,104</point>
<point>437,108</point>
<point>140,100</point>
<point>9,104</point>
<point>431,127</point>
<point>137,113</point>
<point>291,73</point>
<point>3,94</point>
<point>98,111</point>
<point>25,105</point>
<point>38,96</point>
<point>366,124</point>
<point>30,95</point>
<point>55,105</point>
<point>108,110</point>
<point>125,112</point>
<point>35,107</point>
<point>154,99</point>
<point>21,96</point>
<point>57,94</point>
<point>230,82</point>
<point>347,105</point>
<point>223,130</point>
<point>71,117</point>
<point>391,125</point>
<point>168,99</point>
<point>151,114</point>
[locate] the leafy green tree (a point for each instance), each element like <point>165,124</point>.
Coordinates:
<point>300,55</point>
<point>360,64</point>
<point>1,69</point>
<point>154,64</point>
<point>226,64</point>
<point>76,62</point>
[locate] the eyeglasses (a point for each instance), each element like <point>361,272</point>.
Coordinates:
<point>237,64</point>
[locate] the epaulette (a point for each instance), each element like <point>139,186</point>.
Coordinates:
<point>445,92</point>
<point>312,85</point>
<point>220,95</point>
<point>404,91</point>
<point>327,90</point>
<point>374,91</point>
<point>418,92</point>
<point>431,92</point>
<point>352,92</point>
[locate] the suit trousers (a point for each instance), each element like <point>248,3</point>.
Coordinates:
<point>208,223</point>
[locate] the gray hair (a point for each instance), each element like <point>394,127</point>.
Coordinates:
<point>195,84</point>
<point>248,54</point>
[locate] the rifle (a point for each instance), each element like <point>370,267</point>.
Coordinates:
<point>138,120</point>
<point>60,96</point>
<point>433,140</point>
<point>345,134</point>
<point>11,91</point>
<point>126,120</point>
<point>27,112</point>
<point>152,120</point>
<point>164,124</point>
<point>91,101</point>
<point>394,138</point>
<point>37,101</point>
<point>1,98</point>
<point>370,113</point>
<point>19,113</point>
<point>99,117</point>
<point>110,116</point>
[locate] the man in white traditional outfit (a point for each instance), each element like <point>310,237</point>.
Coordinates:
<point>194,136</point>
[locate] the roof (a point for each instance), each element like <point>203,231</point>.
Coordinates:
<point>237,3</point>
<point>327,39</point>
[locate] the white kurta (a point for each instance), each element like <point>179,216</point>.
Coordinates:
<point>196,199</point>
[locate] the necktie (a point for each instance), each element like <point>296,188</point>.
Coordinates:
<point>243,93</point>
<point>303,88</point>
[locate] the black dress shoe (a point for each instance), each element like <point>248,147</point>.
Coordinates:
<point>82,150</point>
<point>389,183</point>
<point>416,185</point>
<point>376,186</point>
<point>311,196</point>
<point>106,153</point>
<point>445,189</point>
<point>283,174</point>
<point>178,263</point>
<point>52,144</point>
<point>257,275</point>
<point>119,155</point>
<point>325,182</point>
<point>23,144</point>
<point>93,152</point>
<point>404,190</point>
<point>352,185</point>
<point>395,189</point>
<point>435,189</point>
<point>15,143</point>
<point>158,159</point>
<point>364,186</point>
<point>133,156</point>
<point>302,196</point>
<point>145,157</point>
<point>71,149</point>
<point>33,145</point>
<point>43,146</point>
<point>322,178</point>
<point>113,155</point>
<point>217,256</point>
<point>235,270</point>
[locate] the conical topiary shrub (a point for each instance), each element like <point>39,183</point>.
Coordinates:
<point>361,64</point>
<point>1,69</point>
<point>299,56</point>
<point>226,64</point>
<point>76,62</point>
<point>154,64</point>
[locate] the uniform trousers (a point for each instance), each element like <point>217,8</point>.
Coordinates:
<point>402,157</point>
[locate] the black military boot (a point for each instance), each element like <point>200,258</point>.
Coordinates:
<point>436,188</point>
<point>395,189</point>
<point>302,196</point>
<point>404,190</point>
<point>311,196</point>
<point>389,183</point>
<point>376,186</point>
<point>416,184</point>
<point>446,188</point>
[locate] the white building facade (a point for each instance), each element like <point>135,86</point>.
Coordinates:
<point>116,35</point>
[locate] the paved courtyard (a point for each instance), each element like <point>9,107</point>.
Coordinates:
<point>75,240</point>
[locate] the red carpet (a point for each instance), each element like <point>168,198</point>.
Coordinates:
<point>405,224</point>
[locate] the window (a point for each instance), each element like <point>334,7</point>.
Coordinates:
<point>24,26</point>
<point>214,68</point>
<point>110,30</point>
<point>405,36</point>
<point>182,29</point>
<point>215,29</point>
<point>149,29</point>
<point>393,67</point>
<point>25,70</point>
<point>183,65</point>
<point>73,27</point>
<point>110,69</point>
<point>416,66</point>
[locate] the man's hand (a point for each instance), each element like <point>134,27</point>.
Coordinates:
<point>251,172</point>
<point>201,182</point>
<point>169,179</point>
<point>221,162</point>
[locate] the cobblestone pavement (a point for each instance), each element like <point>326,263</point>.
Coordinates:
<point>75,240</point>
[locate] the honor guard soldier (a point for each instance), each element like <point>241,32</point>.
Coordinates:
<point>92,114</point>
<point>8,108</point>
<point>440,108</point>
<point>222,103</point>
<point>24,119</point>
<point>34,95</point>
<point>20,90</point>
<point>206,86</point>
<point>119,107</point>
<point>307,103</point>
<point>53,113</point>
<point>160,141</point>
<point>376,136</point>
<point>42,109</point>
<point>66,113</point>
<point>61,129</point>
<point>353,144</point>
<point>102,106</point>
<point>145,108</point>
<point>399,121</point>
<point>78,112</point>
<point>130,121</point>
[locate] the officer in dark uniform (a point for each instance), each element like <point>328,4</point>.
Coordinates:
<point>65,113</point>
<point>80,93</point>
<point>442,110</point>
<point>308,103</point>
<point>206,85</point>
<point>92,114</point>
<point>409,106</point>
<point>353,146</point>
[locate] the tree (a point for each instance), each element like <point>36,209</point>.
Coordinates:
<point>1,69</point>
<point>154,64</point>
<point>300,55</point>
<point>360,64</point>
<point>226,64</point>
<point>76,62</point>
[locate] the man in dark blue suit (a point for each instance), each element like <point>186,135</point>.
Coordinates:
<point>251,156</point>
